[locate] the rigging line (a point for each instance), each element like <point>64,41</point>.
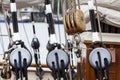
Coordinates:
<point>66,42</point>
<point>65,5</point>
<point>64,8</point>
<point>5,13</point>
<point>5,17</point>
<point>53,2</point>
<point>99,26</point>
<point>1,41</point>
<point>66,48</point>
<point>7,26</point>
<point>26,33</point>
<point>79,4</point>
<point>68,4</point>
<point>58,16</point>
<point>39,57</point>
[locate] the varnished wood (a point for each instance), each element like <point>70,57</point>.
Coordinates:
<point>67,25</point>
<point>114,68</point>
<point>74,22</point>
<point>79,21</point>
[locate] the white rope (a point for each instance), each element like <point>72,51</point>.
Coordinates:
<point>7,26</point>
<point>63,7</point>
<point>26,34</point>
<point>99,26</point>
<point>58,14</point>
<point>79,4</point>
<point>1,41</point>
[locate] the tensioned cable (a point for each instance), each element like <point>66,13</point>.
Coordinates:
<point>69,7</point>
<point>63,6</point>
<point>58,16</point>
<point>26,33</point>
<point>99,26</point>
<point>7,25</point>
<point>66,6</point>
<point>8,28</point>
<point>53,2</point>
<point>2,43</point>
<point>79,4</point>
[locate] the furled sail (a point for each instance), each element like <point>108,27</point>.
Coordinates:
<point>109,11</point>
<point>22,3</point>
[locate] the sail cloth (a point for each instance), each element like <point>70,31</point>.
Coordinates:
<point>22,3</point>
<point>109,11</point>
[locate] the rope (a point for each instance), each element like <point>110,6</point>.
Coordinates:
<point>79,4</point>
<point>69,4</point>
<point>7,26</point>
<point>99,26</point>
<point>1,32</point>
<point>2,43</point>
<point>26,34</point>
<point>63,7</point>
<point>58,16</point>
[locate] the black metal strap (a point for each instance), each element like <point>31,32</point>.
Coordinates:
<point>25,74</point>
<point>54,71</point>
<point>106,67</point>
<point>99,43</point>
<point>16,69</point>
<point>80,70</point>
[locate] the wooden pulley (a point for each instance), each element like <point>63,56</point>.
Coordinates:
<point>74,21</point>
<point>72,24</point>
<point>79,21</point>
<point>67,23</point>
